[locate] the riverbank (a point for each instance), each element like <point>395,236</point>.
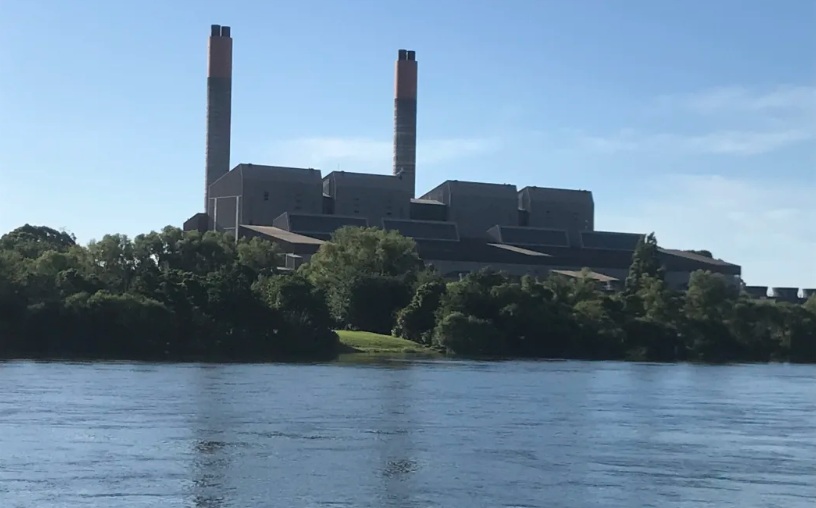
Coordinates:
<point>357,342</point>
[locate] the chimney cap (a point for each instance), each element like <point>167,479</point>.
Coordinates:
<point>215,30</point>
<point>225,31</point>
<point>411,55</point>
<point>402,54</point>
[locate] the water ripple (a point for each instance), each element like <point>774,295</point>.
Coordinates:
<point>402,434</point>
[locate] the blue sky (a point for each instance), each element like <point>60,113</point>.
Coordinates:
<point>696,120</point>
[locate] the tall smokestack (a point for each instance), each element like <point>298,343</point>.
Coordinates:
<point>405,113</point>
<point>219,106</point>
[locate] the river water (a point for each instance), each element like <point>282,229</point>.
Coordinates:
<point>407,434</point>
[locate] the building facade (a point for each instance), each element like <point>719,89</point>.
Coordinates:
<point>459,226</point>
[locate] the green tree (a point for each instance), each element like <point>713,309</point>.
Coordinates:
<point>367,275</point>
<point>32,241</point>
<point>363,250</point>
<point>260,255</point>
<point>645,263</point>
<point>416,321</point>
<point>467,335</point>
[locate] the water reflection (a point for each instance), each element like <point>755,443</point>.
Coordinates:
<point>396,425</point>
<point>210,456</point>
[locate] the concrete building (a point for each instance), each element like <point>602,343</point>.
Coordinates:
<point>373,197</point>
<point>458,226</point>
<point>477,206</point>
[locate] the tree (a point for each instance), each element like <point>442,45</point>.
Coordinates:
<point>645,263</point>
<point>260,255</point>
<point>363,250</point>
<point>305,327</point>
<point>467,335</point>
<point>710,297</point>
<point>416,321</point>
<point>367,275</point>
<point>166,294</point>
<point>369,302</point>
<point>32,241</point>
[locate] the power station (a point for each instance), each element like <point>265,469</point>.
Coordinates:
<point>458,226</point>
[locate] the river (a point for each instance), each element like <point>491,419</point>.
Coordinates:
<point>407,434</point>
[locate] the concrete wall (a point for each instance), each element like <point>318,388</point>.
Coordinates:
<point>313,224</point>
<point>372,197</point>
<point>270,191</point>
<point>475,206</point>
<point>199,222</point>
<point>785,294</point>
<point>221,205</point>
<point>567,209</point>
<point>675,280</point>
<point>756,291</point>
<point>428,210</point>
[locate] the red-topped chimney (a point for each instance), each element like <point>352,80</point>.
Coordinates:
<point>219,106</point>
<point>405,115</point>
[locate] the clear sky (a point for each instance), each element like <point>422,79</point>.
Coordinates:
<point>693,119</point>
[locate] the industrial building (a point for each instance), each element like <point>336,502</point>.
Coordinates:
<point>458,226</point>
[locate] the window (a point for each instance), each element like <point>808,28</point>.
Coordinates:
<point>266,195</point>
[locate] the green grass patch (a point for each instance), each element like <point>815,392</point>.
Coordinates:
<point>354,341</point>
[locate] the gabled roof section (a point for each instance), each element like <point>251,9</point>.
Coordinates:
<point>695,257</point>
<point>608,240</point>
<point>306,224</point>
<point>286,236</point>
<point>423,229</point>
<point>427,201</point>
<point>518,250</point>
<point>518,235</point>
<point>589,274</point>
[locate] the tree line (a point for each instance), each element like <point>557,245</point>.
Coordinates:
<point>374,280</point>
<point>178,296</point>
<point>163,295</point>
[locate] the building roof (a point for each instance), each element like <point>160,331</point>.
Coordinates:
<point>557,195</point>
<point>423,229</point>
<point>308,224</point>
<point>609,240</point>
<point>695,257</point>
<point>518,235</point>
<point>283,235</point>
<point>373,180</point>
<point>588,273</point>
<point>513,248</point>
<point>475,188</point>
<point>422,201</point>
<point>480,251</point>
<point>277,173</point>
